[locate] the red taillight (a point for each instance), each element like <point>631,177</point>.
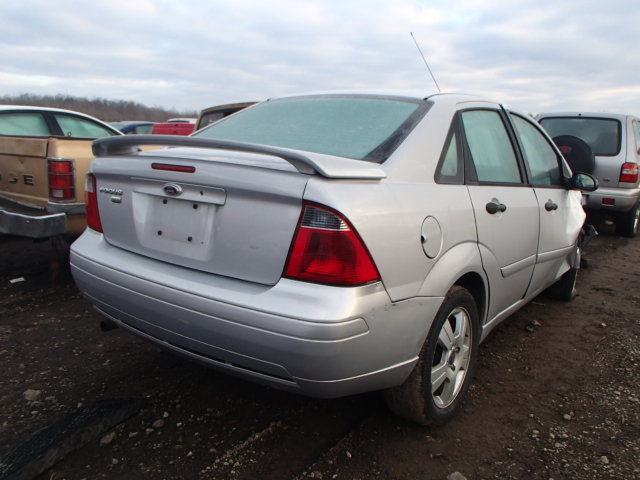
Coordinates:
<point>61,180</point>
<point>93,214</point>
<point>327,249</point>
<point>629,172</point>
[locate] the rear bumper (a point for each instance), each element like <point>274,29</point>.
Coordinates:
<point>16,219</point>
<point>624,198</point>
<point>312,339</point>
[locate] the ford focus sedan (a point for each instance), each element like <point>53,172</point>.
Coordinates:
<point>332,244</point>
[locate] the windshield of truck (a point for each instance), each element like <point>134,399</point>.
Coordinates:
<point>601,134</point>
<point>359,127</point>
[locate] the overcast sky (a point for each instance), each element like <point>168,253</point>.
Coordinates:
<point>538,55</point>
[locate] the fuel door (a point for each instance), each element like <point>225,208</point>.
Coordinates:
<point>431,237</point>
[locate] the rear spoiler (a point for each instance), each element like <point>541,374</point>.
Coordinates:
<point>327,166</point>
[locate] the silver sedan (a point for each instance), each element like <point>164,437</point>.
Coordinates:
<point>331,244</point>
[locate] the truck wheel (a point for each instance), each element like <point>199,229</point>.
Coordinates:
<point>565,287</point>
<point>627,223</point>
<point>434,391</point>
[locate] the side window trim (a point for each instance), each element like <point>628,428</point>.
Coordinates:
<point>55,129</point>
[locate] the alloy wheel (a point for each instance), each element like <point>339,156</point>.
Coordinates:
<point>451,358</point>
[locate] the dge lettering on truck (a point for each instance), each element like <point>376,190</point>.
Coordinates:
<point>14,178</point>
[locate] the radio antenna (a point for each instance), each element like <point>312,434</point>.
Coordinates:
<point>425,62</point>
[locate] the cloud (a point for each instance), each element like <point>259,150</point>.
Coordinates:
<point>190,55</point>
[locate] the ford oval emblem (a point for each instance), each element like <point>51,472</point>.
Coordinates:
<point>172,189</point>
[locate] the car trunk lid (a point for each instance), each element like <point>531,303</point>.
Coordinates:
<point>231,213</point>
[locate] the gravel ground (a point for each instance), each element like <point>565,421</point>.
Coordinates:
<point>556,395</point>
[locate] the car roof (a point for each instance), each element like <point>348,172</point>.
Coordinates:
<point>28,108</point>
<point>413,94</point>
<point>617,116</point>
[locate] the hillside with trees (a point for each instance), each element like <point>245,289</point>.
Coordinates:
<point>106,110</point>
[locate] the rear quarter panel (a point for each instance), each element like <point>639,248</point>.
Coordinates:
<point>389,214</point>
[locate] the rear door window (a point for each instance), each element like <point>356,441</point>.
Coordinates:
<point>490,146</point>
<point>23,124</point>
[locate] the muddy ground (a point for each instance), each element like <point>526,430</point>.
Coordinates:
<point>556,396</point>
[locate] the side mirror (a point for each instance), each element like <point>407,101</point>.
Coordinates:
<point>583,181</point>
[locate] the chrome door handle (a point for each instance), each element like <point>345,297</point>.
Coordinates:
<point>550,205</point>
<point>493,207</point>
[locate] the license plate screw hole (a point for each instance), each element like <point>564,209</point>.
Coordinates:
<point>159,232</point>
<point>164,201</point>
<point>190,239</point>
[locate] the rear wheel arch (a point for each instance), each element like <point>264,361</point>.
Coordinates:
<point>433,392</point>
<point>475,284</point>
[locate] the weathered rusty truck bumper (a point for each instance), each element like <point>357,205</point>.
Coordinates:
<point>16,219</point>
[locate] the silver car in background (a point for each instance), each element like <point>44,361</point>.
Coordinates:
<point>608,145</point>
<point>332,244</point>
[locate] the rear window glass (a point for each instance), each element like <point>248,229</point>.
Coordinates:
<point>601,134</point>
<point>23,124</point>
<point>362,128</point>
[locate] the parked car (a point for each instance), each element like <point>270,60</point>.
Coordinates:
<point>133,127</point>
<point>612,146</point>
<point>44,157</point>
<point>213,114</point>
<point>334,244</point>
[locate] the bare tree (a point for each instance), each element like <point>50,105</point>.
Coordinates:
<point>104,109</point>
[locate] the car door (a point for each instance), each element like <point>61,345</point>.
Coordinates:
<point>505,207</point>
<point>559,208</point>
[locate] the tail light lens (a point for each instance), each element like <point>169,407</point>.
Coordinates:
<point>327,249</point>
<point>61,180</point>
<point>93,214</point>
<point>629,172</point>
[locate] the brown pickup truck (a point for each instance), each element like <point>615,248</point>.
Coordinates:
<point>44,156</point>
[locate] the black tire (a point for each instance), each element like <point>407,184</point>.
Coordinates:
<point>416,399</point>
<point>576,152</point>
<point>627,223</point>
<point>564,288</point>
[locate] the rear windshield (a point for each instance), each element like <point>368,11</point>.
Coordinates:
<point>602,134</point>
<point>363,128</point>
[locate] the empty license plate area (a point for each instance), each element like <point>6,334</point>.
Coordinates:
<point>179,220</point>
<point>176,227</point>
